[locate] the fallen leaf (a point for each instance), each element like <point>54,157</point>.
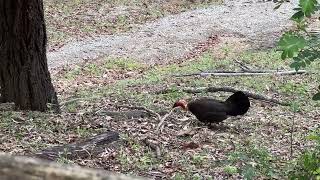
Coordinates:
<point>190,145</point>
<point>187,132</point>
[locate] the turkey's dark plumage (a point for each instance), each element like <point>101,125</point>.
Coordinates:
<point>207,110</point>
<point>213,111</point>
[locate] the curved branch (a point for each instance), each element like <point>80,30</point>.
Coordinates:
<point>243,73</point>
<point>227,89</point>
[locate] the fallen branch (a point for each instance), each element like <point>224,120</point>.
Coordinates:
<point>89,147</point>
<point>242,65</point>
<point>140,108</point>
<point>70,101</point>
<point>161,119</point>
<point>243,73</point>
<point>125,114</point>
<point>26,168</point>
<point>228,89</point>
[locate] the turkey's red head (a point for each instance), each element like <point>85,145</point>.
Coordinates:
<point>181,103</point>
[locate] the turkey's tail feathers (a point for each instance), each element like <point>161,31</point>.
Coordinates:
<point>238,104</point>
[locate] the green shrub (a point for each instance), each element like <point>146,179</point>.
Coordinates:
<point>307,166</point>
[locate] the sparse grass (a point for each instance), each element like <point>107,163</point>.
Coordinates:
<point>253,162</point>
<point>72,107</point>
<point>141,90</point>
<point>199,159</point>
<point>249,147</point>
<point>158,76</point>
<point>230,169</point>
<point>76,19</point>
<point>123,64</point>
<point>179,176</point>
<point>136,156</point>
<point>102,68</point>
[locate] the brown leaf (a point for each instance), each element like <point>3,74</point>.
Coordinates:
<point>190,145</point>
<point>187,132</point>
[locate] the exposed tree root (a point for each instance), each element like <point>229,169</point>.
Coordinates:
<point>89,147</point>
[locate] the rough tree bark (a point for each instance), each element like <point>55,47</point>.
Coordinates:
<point>24,76</point>
<point>24,168</point>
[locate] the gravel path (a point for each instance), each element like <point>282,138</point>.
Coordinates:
<point>174,36</point>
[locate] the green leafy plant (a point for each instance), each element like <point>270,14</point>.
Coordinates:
<point>252,162</point>
<point>230,169</point>
<point>198,159</point>
<point>178,176</point>
<point>307,166</point>
<point>302,46</point>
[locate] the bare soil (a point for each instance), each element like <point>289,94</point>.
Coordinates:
<point>172,37</point>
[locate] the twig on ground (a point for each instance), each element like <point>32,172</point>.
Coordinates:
<point>128,114</point>
<point>149,143</point>
<point>77,99</point>
<point>243,73</point>
<point>161,119</point>
<point>140,108</point>
<point>242,65</point>
<point>154,146</point>
<point>158,129</point>
<point>291,138</point>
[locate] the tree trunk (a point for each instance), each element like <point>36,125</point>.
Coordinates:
<point>24,75</point>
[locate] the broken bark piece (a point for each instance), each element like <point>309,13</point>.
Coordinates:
<point>89,147</point>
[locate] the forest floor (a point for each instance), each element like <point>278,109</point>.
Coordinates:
<point>257,144</point>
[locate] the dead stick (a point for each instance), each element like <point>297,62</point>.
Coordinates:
<point>241,73</point>
<point>140,108</point>
<point>224,89</point>
<point>242,65</point>
<point>291,138</point>
<point>70,101</point>
<point>229,89</point>
<point>163,119</point>
<point>154,146</point>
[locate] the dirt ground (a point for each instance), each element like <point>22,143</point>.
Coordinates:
<point>174,36</point>
<point>102,81</point>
